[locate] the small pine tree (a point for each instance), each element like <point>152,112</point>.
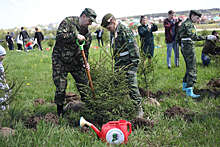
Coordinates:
<point>111,101</point>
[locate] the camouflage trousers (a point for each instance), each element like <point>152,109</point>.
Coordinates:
<point>188,52</point>
<point>60,72</point>
<point>131,76</point>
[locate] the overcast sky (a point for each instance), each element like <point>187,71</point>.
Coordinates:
<point>17,13</point>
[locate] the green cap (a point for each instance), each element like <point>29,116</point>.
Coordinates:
<point>106,20</point>
<point>195,13</point>
<point>90,13</point>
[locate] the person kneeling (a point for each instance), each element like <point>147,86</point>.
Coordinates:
<point>210,48</point>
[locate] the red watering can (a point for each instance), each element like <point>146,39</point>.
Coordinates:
<point>114,132</point>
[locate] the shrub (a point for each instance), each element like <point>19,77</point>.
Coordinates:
<point>111,101</point>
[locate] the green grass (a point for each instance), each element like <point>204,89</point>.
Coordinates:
<point>35,70</point>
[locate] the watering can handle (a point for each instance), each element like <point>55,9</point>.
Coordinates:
<point>128,123</point>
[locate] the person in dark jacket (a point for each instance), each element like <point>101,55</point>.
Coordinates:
<point>40,37</point>
<point>99,33</point>
<point>171,25</point>
<point>210,48</point>
<point>24,37</point>
<point>145,31</point>
<point>9,41</point>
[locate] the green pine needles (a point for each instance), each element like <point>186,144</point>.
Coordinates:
<point>111,101</point>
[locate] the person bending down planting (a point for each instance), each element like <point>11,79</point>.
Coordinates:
<point>126,55</point>
<point>66,56</point>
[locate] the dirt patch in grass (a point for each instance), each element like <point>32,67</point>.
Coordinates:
<point>32,121</point>
<point>39,101</point>
<point>174,111</point>
<point>214,83</point>
<point>5,131</point>
<point>213,90</point>
<point>84,129</point>
<point>159,94</point>
<point>71,97</point>
<point>141,123</point>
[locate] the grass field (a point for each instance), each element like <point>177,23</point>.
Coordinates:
<point>34,69</point>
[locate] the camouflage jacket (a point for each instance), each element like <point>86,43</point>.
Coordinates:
<point>66,50</point>
<point>124,46</point>
<point>188,30</point>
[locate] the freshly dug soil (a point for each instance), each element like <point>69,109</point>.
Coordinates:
<point>39,101</point>
<point>32,121</point>
<point>179,111</point>
<point>72,97</point>
<point>4,131</point>
<point>214,83</point>
<point>141,122</point>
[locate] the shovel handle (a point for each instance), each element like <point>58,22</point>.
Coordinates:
<point>85,62</point>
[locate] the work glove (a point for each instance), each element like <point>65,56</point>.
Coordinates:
<point>211,37</point>
<point>87,66</point>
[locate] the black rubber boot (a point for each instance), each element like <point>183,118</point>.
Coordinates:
<point>60,111</point>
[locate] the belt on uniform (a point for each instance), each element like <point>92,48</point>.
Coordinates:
<point>124,53</point>
<point>186,39</point>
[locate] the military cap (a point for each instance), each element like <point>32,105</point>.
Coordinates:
<point>195,13</point>
<point>90,13</point>
<point>106,20</point>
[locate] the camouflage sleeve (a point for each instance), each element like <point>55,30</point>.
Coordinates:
<point>132,47</point>
<point>191,33</point>
<point>67,32</point>
<point>87,44</point>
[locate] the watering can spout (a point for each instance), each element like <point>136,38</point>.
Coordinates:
<point>96,131</point>
<point>84,122</point>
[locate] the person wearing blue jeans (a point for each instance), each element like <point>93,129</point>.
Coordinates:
<point>171,26</point>
<point>175,46</point>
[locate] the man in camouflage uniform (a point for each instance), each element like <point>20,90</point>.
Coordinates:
<point>187,34</point>
<point>126,55</point>
<point>66,56</point>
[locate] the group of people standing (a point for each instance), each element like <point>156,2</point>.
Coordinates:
<point>23,39</point>
<point>178,33</point>
<point>67,58</point>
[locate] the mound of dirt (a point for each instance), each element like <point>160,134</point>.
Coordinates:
<point>142,122</point>
<point>70,97</point>
<point>84,129</point>
<point>52,118</point>
<point>4,131</point>
<point>39,101</point>
<point>214,83</point>
<point>211,93</point>
<point>158,94</point>
<point>179,111</point>
<point>32,121</point>
<point>74,106</point>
